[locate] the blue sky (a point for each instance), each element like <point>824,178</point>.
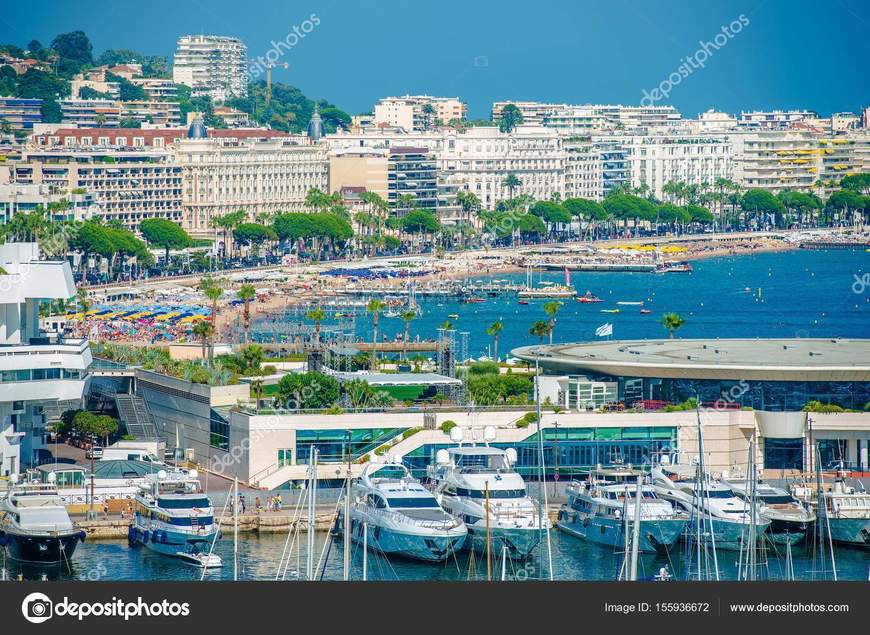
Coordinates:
<point>792,53</point>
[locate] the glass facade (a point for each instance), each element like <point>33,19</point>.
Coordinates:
<point>832,452</point>
<point>759,395</point>
<point>219,431</point>
<point>569,451</point>
<point>332,445</point>
<point>783,454</point>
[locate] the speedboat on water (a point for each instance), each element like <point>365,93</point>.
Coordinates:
<point>34,523</point>
<point>175,518</point>
<point>597,509</point>
<point>589,298</point>
<point>401,517</point>
<point>729,519</point>
<point>479,485</point>
<point>789,518</point>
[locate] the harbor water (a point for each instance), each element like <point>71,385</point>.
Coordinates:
<point>573,559</point>
<point>780,294</point>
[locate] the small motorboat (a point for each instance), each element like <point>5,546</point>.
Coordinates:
<point>645,311</point>
<point>523,302</point>
<point>611,310</point>
<point>632,303</point>
<point>453,316</point>
<point>202,560</point>
<point>588,298</point>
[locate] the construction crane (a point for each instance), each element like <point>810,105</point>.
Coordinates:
<point>269,68</point>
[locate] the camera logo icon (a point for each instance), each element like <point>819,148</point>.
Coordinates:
<point>37,608</point>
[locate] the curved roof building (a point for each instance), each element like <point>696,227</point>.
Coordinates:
<point>764,374</point>
<point>839,360</point>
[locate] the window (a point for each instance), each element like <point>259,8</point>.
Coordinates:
<point>285,457</point>
<point>783,454</point>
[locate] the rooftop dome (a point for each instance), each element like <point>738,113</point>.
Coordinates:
<point>123,469</point>
<point>197,129</point>
<point>315,126</point>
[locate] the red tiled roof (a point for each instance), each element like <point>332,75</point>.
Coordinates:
<point>167,134</point>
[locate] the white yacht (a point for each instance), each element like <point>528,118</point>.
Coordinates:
<point>401,516</point>
<point>789,518</point>
<point>847,511</point>
<point>729,516</point>
<point>598,506</point>
<point>478,485</point>
<point>175,518</point>
<point>34,524</point>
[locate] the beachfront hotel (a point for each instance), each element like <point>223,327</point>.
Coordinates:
<point>37,369</point>
<point>418,112</point>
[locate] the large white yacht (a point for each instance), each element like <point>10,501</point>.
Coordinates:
<point>789,518</point>
<point>598,506</point>
<point>479,485</point>
<point>401,516</point>
<point>34,524</point>
<point>846,510</point>
<point>730,518</point>
<point>175,518</point>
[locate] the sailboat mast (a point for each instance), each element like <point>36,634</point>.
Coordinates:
<point>542,489</point>
<point>488,534</point>
<point>635,534</point>
<point>365,551</point>
<point>312,485</point>
<point>346,527</point>
<point>236,528</point>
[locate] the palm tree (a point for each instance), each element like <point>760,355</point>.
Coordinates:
<point>551,309</point>
<point>257,387</point>
<point>316,315</point>
<point>672,322</point>
<point>204,330</point>
<point>213,290</point>
<point>375,307</point>
<point>494,329</point>
<point>246,293</point>
<point>511,182</point>
<point>540,329</point>
<point>408,315</point>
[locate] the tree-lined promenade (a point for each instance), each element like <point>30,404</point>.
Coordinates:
<point>327,231</point>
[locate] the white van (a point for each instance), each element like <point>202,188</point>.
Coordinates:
<point>129,454</point>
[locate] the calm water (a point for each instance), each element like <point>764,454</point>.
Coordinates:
<point>802,294</point>
<point>573,559</point>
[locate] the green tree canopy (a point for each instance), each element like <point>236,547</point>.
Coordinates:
<point>164,233</point>
<point>308,390</point>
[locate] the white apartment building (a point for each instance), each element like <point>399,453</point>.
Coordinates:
<point>128,185</point>
<point>479,159</point>
<point>90,113</point>
<point>711,121</point>
<point>590,117</point>
<point>36,368</point>
<point>156,87</point>
<point>418,112</point>
<point>584,169</point>
<point>224,175</point>
<point>69,205</point>
<point>692,159</point>
<point>212,65</point>
<point>773,119</point>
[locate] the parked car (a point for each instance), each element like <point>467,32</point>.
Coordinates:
<point>94,452</point>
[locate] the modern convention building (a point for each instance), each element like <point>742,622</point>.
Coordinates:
<point>786,383</point>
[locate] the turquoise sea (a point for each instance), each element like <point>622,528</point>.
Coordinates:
<point>781,294</point>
